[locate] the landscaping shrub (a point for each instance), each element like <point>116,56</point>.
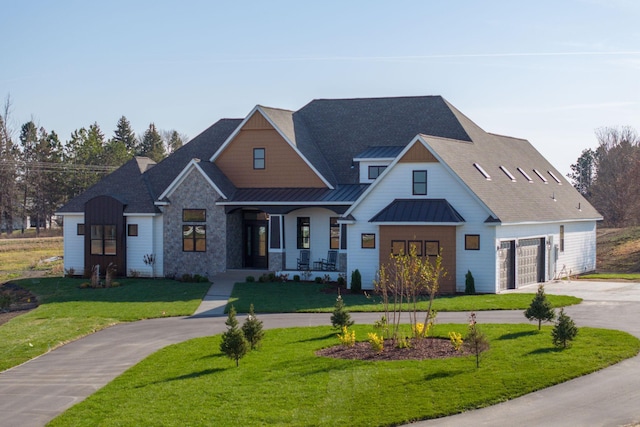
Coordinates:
<point>233,344</point>
<point>252,329</point>
<point>341,281</point>
<point>296,277</point>
<point>347,339</point>
<point>376,341</point>
<point>475,341</point>
<point>318,279</point>
<point>356,282</point>
<point>564,331</point>
<point>540,308</point>
<point>469,284</point>
<point>250,279</point>
<point>340,317</point>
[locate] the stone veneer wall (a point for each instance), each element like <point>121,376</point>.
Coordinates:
<point>194,193</point>
<point>276,261</point>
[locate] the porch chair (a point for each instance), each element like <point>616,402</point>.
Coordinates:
<point>330,262</point>
<point>303,261</point>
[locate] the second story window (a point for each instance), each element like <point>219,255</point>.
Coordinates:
<point>375,171</point>
<point>419,183</point>
<point>258,158</point>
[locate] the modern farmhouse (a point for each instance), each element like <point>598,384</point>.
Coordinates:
<point>339,185</point>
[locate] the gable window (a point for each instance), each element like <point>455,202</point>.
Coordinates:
<point>472,242</point>
<point>304,232</point>
<point>419,183</point>
<point>80,230</point>
<point>194,215</point>
<point>375,171</point>
<point>194,238</point>
<point>258,158</point>
<point>132,230</point>
<point>368,241</point>
<point>562,238</point>
<point>334,233</point>
<point>103,240</point>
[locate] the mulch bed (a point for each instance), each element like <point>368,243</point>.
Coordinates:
<point>426,348</point>
<point>22,301</point>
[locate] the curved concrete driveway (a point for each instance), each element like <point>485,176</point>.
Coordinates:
<point>35,392</point>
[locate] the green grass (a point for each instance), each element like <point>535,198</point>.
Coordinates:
<point>284,383</point>
<point>611,276</point>
<point>308,297</point>
<point>67,312</point>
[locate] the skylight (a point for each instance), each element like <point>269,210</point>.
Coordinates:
<point>482,171</point>
<point>525,174</point>
<point>506,172</point>
<point>540,176</point>
<point>554,177</point>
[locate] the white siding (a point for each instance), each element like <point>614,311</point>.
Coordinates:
<point>73,244</point>
<point>141,245</point>
<point>397,184</point>
<point>158,247</point>
<point>319,237</point>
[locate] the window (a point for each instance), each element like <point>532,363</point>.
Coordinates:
<point>540,176</point>
<point>415,245</point>
<point>525,174</point>
<point>194,215</point>
<point>398,247</point>
<point>368,241</point>
<point>80,230</point>
<point>432,248</point>
<point>334,233</point>
<point>103,240</point>
<point>194,238</point>
<point>304,232</point>
<point>509,175</point>
<point>555,178</point>
<point>419,183</point>
<point>472,242</point>
<point>258,158</point>
<point>375,171</point>
<point>482,171</point>
<point>562,238</point>
<point>132,229</point>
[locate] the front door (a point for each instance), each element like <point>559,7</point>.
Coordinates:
<point>256,244</point>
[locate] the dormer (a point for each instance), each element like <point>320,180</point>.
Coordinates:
<point>373,161</point>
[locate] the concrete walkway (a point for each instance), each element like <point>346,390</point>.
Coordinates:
<point>35,392</point>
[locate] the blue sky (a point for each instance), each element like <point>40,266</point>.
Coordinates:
<point>547,71</point>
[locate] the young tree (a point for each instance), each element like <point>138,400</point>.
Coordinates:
<point>340,317</point>
<point>583,172</point>
<point>564,331</point>
<point>252,329</point>
<point>233,344</point>
<point>475,341</point>
<point>540,308</point>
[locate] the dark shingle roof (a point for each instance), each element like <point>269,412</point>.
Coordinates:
<point>418,210</point>
<point>330,132</point>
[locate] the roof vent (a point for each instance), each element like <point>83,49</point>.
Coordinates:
<point>482,171</point>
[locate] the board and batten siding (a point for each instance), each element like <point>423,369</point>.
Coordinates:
<point>319,238</point>
<point>141,245</point>
<point>73,244</point>
<point>397,184</point>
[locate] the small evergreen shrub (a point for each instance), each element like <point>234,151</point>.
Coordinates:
<point>250,279</point>
<point>540,308</point>
<point>271,277</point>
<point>233,344</point>
<point>564,331</point>
<point>469,284</point>
<point>356,282</point>
<point>340,317</point>
<point>252,329</point>
<point>318,279</point>
<point>296,278</point>
<point>341,281</point>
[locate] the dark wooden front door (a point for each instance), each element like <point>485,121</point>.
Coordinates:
<point>256,244</point>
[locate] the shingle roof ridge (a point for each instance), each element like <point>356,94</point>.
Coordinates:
<point>276,108</point>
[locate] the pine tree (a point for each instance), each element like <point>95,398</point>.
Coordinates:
<point>233,344</point>
<point>340,317</point>
<point>564,331</point>
<point>152,145</point>
<point>252,329</point>
<point>125,135</point>
<point>540,308</point>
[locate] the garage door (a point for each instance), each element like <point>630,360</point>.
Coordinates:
<point>530,261</point>
<point>507,265</point>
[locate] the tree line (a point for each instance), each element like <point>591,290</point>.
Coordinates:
<point>39,173</point>
<point>609,176</point>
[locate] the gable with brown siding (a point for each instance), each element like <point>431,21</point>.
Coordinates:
<point>283,166</point>
<point>417,154</point>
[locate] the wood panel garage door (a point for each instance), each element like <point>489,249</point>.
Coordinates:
<point>530,261</point>
<point>507,264</point>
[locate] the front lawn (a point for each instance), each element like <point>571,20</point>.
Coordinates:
<point>285,383</point>
<point>67,312</point>
<point>291,297</point>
